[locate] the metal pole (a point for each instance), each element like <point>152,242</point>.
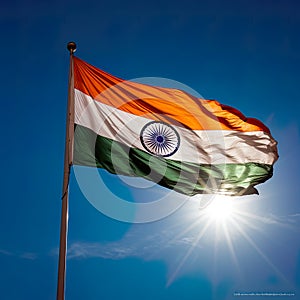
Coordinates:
<point>65,191</point>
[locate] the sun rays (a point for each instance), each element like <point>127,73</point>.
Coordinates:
<point>224,220</point>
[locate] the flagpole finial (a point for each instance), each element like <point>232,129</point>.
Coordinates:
<point>71,47</point>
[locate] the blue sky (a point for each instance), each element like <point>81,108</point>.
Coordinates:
<point>242,53</point>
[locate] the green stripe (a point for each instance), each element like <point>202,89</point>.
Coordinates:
<point>186,178</point>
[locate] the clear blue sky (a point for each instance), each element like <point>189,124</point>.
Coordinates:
<point>242,53</point>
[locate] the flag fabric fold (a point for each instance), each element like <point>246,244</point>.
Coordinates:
<point>168,136</point>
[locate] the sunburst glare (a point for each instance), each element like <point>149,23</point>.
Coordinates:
<point>222,219</point>
<point>221,210</point>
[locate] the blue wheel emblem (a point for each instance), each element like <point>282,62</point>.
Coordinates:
<point>160,138</point>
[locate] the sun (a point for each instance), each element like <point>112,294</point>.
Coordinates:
<point>220,210</point>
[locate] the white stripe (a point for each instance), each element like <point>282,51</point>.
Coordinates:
<point>196,146</point>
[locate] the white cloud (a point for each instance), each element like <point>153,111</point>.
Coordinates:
<point>29,255</point>
<point>5,252</point>
<point>137,243</point>
<point>23,255</point>
<point>271,219</point>
<point>89,250</point>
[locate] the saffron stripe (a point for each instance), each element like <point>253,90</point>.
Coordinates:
<point>164,103</point>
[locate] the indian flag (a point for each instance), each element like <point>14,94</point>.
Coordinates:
<point>168,136</point>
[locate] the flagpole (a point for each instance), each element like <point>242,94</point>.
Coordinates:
<point>65,190</point>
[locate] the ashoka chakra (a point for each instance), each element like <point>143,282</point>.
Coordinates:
<point>160,138</point>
